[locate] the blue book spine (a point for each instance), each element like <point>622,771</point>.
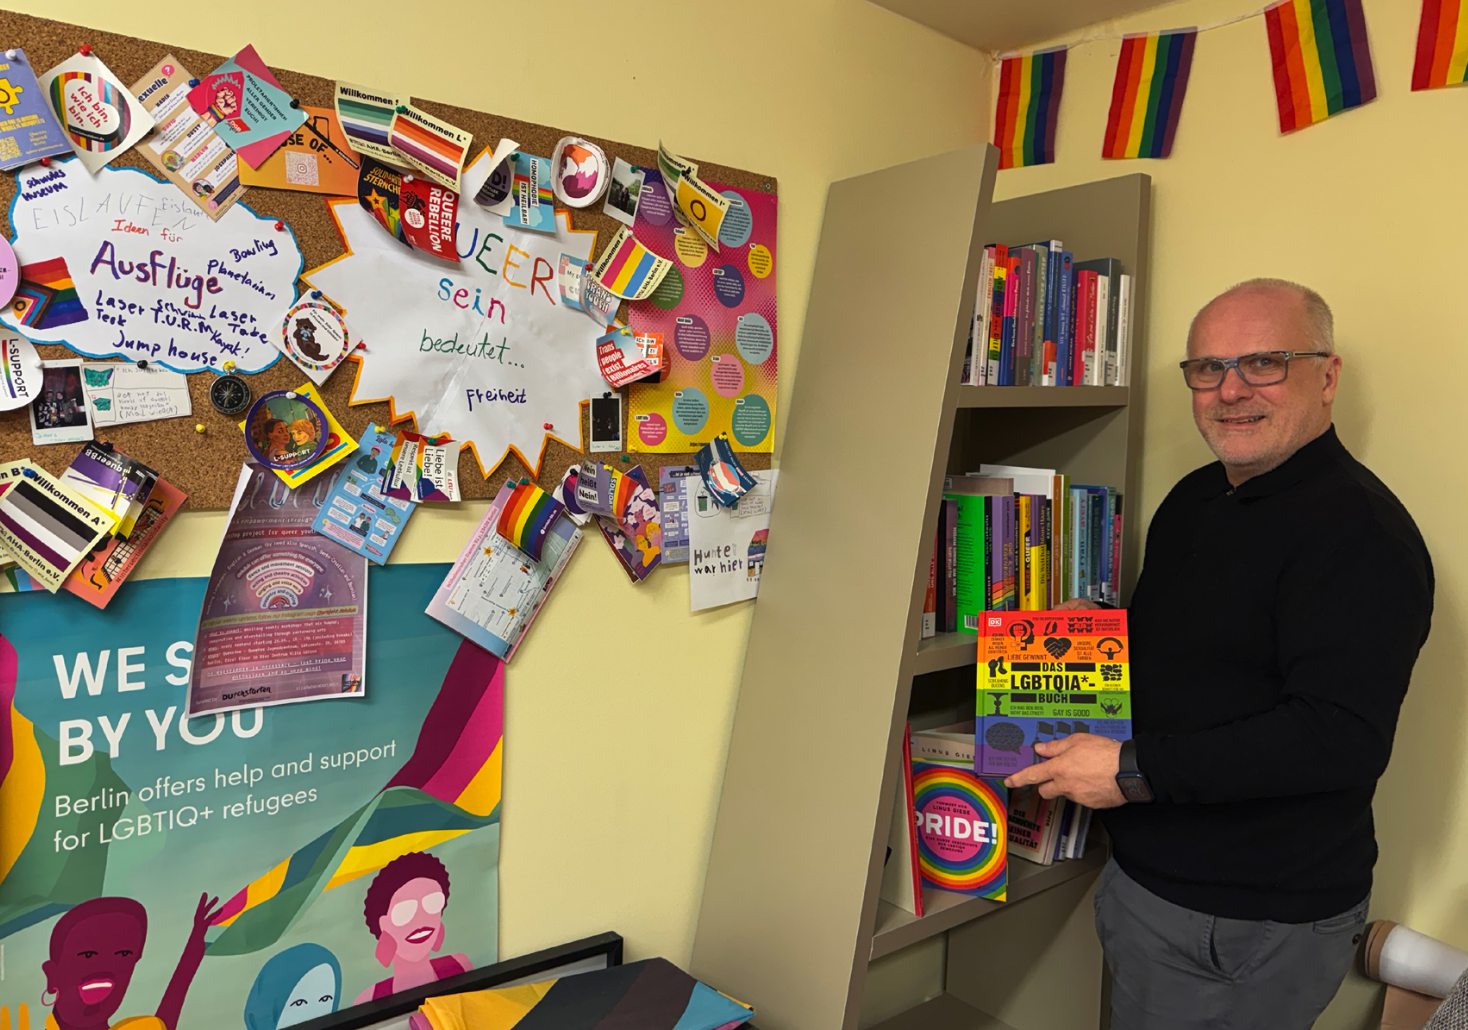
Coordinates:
<point>1065,289</point>
<point>1006,352</point>
<point>1052,299</point>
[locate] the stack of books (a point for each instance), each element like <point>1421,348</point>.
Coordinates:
<point>1043,319</point>
<point>1012,538</point>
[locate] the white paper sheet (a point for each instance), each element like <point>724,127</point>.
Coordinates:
<point>726,546</point>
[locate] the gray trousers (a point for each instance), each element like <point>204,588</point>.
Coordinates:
<point>1176,969</point>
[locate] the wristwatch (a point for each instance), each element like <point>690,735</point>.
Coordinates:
<point>1134,786</point>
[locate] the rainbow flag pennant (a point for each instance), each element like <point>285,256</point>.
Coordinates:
<point>46,297</point>
<point>1442,45</point>
<point>1147,97</point>
<point>1029,101</point>
<point>1322,65</point>
<point>528,516</point>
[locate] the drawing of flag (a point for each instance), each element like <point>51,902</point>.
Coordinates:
<point>36,884</point>
<point>1029,101</point>
<point>528,516</point>
<point>1321,62</point>
<point>46,297</point>
<point>43,531</point>
<point>629,268</point>
<point>1147,97</point>
<point>449,787</point>
<point>434,150</point>
<point>1442,45</point>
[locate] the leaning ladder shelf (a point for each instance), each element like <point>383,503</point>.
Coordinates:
<point>790,918</point>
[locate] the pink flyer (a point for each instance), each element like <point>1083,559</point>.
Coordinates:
<point>285,612</point>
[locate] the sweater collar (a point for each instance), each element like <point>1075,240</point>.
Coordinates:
<point>1310,459</point>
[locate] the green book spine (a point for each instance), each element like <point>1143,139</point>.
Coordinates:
<point>989,570</point>
<point>971,568</point>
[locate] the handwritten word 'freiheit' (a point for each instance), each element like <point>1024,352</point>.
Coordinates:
<point>493,395</point>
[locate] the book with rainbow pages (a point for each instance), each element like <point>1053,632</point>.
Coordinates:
<point>494,591</point>
<point>962,830</point>
<point>1046,675</point>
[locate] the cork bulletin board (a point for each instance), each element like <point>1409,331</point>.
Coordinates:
<point>206,465</point>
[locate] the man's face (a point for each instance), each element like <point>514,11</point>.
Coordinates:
<point>1253,429</point>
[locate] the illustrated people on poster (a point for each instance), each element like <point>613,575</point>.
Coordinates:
<point>404,910</point>
<point>297,984</point>
<point>95,947</point>
<point>368,463</point>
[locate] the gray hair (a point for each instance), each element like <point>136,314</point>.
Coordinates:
<point>1319,322</point>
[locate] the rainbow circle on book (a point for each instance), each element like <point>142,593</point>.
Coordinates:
<point>952,801</point>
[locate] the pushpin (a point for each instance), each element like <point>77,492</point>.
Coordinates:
<point>546,425</point>
<point>193,83</point>
<point>28,472</point>
<point>295,104</point>
<point>402,109</point>
<point>524,481</point>
<point>85,49</point>
<point>291,394</point>
<point>229,366</point>
<point>280,227</point>
<point>315,294</point>
<point>12,55</point>
<point>200,427</point>
<point>625,458</point>
<point>142,362</point>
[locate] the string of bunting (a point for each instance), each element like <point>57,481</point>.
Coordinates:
<point>1319,53</point>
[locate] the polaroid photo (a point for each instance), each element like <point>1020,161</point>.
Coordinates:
<point>59,414</point>
<point>606,423</point>
<point>626,188</point>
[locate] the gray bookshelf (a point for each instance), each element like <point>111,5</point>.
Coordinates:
<point>790,916</point>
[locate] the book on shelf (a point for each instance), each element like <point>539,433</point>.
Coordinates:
<point>1034,823</point>
<point>901,882</point>
<point>930,599</point>
<point>1043,676</point>
<point>1049,320</point>
<point>962,829</point>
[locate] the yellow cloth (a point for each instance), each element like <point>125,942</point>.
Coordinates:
<point>498,1009</point>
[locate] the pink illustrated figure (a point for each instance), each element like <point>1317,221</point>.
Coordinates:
<point>404,911</point>
<point>94,950</point>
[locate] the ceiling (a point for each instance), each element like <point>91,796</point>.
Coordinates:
<point>997,25</point>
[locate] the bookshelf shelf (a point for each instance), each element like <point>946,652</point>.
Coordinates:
<point>793,937</point>
<point>946,651</point>
<point>944,910</point>
<point>1044,396</point>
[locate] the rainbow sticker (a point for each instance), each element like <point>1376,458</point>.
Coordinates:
<point>963,830</point>
<point>528,516</point>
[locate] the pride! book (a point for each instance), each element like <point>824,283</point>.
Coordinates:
<point>962,830</point>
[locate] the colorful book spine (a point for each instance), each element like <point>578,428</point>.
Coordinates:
<point>1124,332</point>
<point>1100,367</point>
<point>1085,338</point>
<point>996,314</point>
<point>950,566</point>
<point>1010,525</point>
<point>1025,317</point>
<point>976,362</point>
<point>1116,549</point>
<point>1046,675</point>
<point>1011,314</point>
<point>1042,295</point>
<point>971,564</point>
<point>1064,323</point>
<point>962,830</point>
<point>930,599</point>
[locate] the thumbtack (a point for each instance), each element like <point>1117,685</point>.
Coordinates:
<point>29,473</point>
<point>85,49</point>
<point>45,162</point>
<point>193,83</point>
<point>12,55</point>
<point>524,482</point>
<point>142,362</point>
<point>315,294</point>
<point>295,103</point>
<point>229,366</point>
<point>625,458</point>
<point>200,427</point>
<point>402,109</point>
<point>546,425</point>
<point>280,227</point>
<point>291,394</point>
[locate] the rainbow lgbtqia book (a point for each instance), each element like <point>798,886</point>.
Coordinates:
<point>962,830</point>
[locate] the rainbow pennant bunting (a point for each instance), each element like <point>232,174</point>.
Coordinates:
<point>1322,65</point>
<point>1442,45</point>
<point>1029,101</point>
<point>528,516</point>
<point>1147,97</point>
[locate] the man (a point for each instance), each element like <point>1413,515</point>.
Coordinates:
<point>1282,603</point>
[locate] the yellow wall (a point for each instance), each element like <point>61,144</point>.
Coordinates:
<point>612,776</point>
<point>1368,208</point>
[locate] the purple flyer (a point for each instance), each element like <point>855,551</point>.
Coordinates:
<point>285,612</point>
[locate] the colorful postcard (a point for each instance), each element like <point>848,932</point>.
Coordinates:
<point>99,575</point>
<point>726,546</point>
<point>636,535</point>
<point>183,145</point>
<point>100,116</point>
<point>46,528</point>
<point>534,203</point>
<point>29,130</point>
<point>680,491</point>
<point>251,111</point>
<point>366,118</point>
<point>629,269</point>
<point>431,146</point>
<point>108,478</point>
<point>316,158</point>
<point>625,357</point>
<point>495,590</point>
<point>415,211</point>
<point>357,513</point>
<point>59,412</point>
<point>285,610</point>
<point>423,468</point>
<point>622,197</point>
<point>119,392</point>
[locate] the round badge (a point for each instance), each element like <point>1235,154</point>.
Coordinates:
<point>579,172</point>
<point>314,336</point>
<point>9,272</point>
<point>229,394</point>
<point>285,431</point>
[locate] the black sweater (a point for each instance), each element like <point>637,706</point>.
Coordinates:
<point>1273,633</point>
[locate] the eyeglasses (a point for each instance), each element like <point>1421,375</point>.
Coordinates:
<point>1262,369</point>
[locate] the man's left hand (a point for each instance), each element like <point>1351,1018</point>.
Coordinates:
<point>1081,767</point>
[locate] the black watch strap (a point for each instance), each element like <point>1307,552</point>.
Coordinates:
<point>1129,779</point>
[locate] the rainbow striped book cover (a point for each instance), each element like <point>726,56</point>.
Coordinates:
<point>1028,105</point>
<point>1322,65</point>
<point>1147,97</point>
<point>962,830</point>
<point>1442,45</point>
